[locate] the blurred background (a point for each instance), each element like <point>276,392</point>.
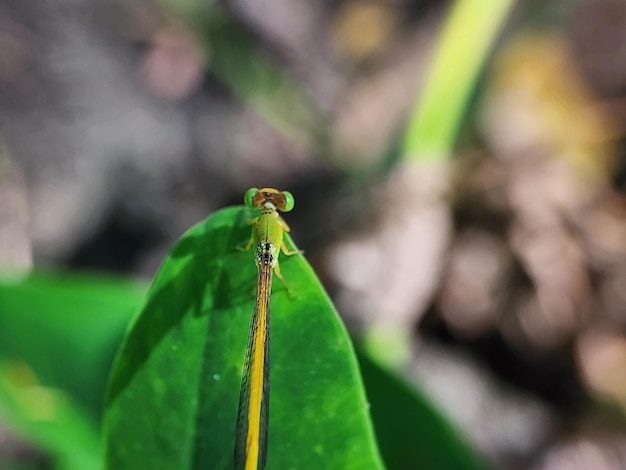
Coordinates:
<point>469,221</point>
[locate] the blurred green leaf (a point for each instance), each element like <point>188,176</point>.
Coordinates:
<point>174,391</point>
<point>48,418</point>
<point>468,35</point>
<point>67,329</point>
<point>58,335</point>
<point>411,432</point>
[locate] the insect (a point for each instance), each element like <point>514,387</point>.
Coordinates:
<point>253,415</point>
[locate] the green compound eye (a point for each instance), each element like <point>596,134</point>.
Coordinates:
<point>248,198</point>
<point>289,201</point>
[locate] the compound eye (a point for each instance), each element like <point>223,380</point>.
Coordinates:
<point>289,201</point>
<point>248,198</point>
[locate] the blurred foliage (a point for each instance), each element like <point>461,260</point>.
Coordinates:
<point>58,338</point>
<point>80,318</point>
<point>458,57</point>
<point>410,431</point>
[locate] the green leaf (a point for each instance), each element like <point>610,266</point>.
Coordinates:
<point>48,418</point>
<point>58,334</point>
<point>174,390</point>
<point>67,328</point>
<point>411,432</point>
<point>469,32</point>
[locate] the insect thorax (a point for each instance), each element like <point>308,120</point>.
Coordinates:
<point>266,254</point>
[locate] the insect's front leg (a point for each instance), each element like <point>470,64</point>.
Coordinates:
<point>288,252</point>
<point>248,245</point>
